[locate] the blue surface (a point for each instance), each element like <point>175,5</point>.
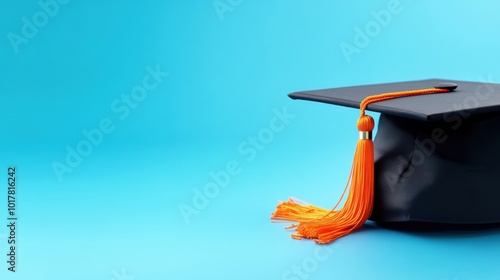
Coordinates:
<point>92,79</point>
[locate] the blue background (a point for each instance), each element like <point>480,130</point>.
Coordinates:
<point>117,214</point>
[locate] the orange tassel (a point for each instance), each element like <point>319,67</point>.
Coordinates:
<point>325,226</point>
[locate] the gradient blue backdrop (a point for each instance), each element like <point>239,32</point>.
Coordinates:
<point>116,215</point>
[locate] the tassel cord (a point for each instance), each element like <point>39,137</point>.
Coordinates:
<point>325,226</point>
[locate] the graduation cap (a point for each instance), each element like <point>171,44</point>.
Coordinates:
<point>435,158</point>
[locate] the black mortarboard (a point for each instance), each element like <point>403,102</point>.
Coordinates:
<point>435,156</point>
